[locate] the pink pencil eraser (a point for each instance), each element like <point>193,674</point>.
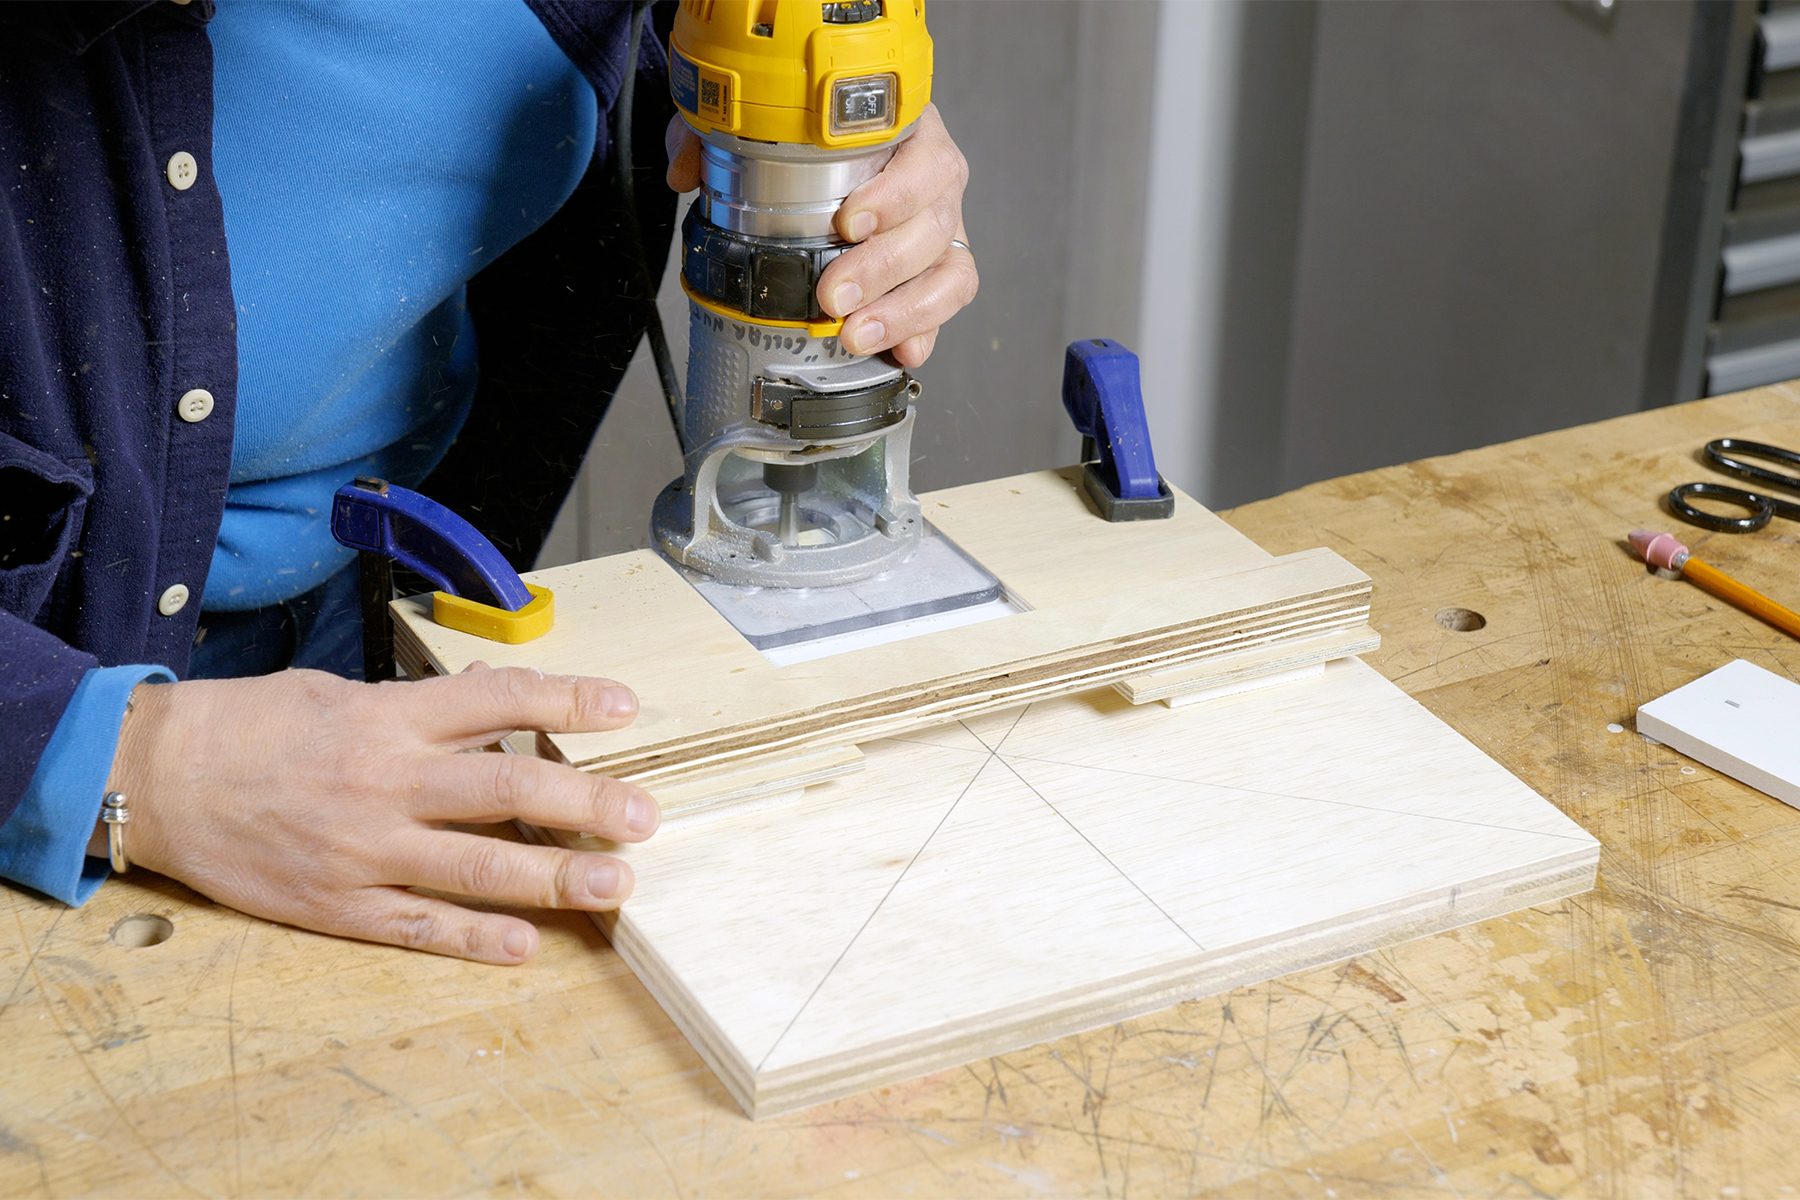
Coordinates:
<point>1657,549</point>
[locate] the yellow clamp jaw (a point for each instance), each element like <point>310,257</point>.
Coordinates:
<point>494,623</point>
<point>385,523</point>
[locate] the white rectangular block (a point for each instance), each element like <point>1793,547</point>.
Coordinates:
<point>1740,720</point>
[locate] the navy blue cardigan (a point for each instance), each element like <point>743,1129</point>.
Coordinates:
<point>115,300</point>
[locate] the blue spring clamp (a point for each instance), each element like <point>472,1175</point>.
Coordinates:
<point>1104,397</point>
<point>478,590</point>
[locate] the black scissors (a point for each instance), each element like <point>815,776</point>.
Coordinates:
<point>1724,453</point>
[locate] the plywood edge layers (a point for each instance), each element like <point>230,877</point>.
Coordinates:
<point>658,980</point>
<point>654,772</point>
<point>1090,666</point>
<point>1019,689</point>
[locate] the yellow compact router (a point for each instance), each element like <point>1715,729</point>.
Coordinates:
<point>796,448</point>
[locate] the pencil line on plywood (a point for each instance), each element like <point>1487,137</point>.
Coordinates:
<point>995,748</point>
<point>1023,713</point>
<point>1045,800</point>
<point>842,954</point>
<point>939,745</point>
<point>1233,787</point>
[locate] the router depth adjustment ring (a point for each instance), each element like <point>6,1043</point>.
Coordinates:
<point>761,278</point>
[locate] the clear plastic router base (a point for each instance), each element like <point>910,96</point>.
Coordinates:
<point>937,578</point>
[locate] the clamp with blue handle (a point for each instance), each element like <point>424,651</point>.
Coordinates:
<point>1103,395</point>
<point>478,590</point>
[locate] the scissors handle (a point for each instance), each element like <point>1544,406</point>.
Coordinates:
<point>1728,454</point>
<point>1723,453</point>
<point>1762,508</point>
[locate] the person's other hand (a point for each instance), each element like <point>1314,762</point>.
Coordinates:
<point>314,801</point>
<point>903,279</point>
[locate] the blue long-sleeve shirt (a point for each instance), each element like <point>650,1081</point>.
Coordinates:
<point>116,305</point>
<point>372,158</point>
<point>44,843</point>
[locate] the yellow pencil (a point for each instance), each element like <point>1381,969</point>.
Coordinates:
<point>1662,550</point>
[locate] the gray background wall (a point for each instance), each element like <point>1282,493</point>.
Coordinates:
<point>1339,235</point>
<point>1481,224</point>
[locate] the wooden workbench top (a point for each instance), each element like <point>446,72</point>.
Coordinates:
<point>1640,1040</point>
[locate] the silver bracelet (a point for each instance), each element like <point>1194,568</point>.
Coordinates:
<point>116,814</point>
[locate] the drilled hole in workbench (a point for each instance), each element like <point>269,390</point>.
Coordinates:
<point>143,929</point>
<point>1461,620</point>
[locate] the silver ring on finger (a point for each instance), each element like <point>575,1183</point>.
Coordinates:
<point>963,246</point>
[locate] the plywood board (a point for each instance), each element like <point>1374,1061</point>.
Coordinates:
<point>1001,881</point>
<point>1105,602</point>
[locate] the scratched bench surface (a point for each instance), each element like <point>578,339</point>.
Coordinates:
<point>1635,1040</point>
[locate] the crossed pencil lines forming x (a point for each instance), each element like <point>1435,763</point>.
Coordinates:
<point>993,755</point>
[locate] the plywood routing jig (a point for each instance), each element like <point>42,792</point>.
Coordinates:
<point>1006,837</point>
<point>1101,604</point>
